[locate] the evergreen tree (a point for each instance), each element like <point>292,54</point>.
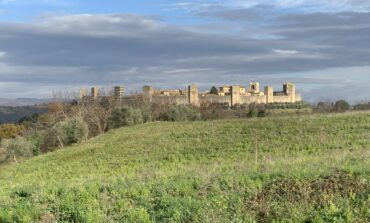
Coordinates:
<point>214,90</point>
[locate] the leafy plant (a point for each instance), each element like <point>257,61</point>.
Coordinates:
<point>126,116</point>
<point>16,148</point>
<point>341,106</point>
<point>64,133</point>
<point>10,131</point>
<point>181,113</point>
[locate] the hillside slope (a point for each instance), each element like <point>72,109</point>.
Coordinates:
<point>307,168</point>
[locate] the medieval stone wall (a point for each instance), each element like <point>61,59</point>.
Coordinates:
<point>210,98</point>
<point>235,97</point>
<point>179,100</point>
<point>282,99</point>
<point>252,99</point>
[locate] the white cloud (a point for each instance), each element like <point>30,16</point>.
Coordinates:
<point>299,5</point>
<point>79,50</point>
<point>2,54</point>
<point>101,25</point>
<point>287,52</point>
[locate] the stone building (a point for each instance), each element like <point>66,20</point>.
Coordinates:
<point>119,92</point>
<point>82,93</point>
<point>231,95</point>
<point>94,92</point>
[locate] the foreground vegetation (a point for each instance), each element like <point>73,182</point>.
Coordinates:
<point>312,168</point>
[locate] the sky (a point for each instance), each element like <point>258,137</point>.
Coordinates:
<point>321,45</point>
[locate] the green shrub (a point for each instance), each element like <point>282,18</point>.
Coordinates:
<point>75,130</point>
<point>181,113</point>
<point>146,112</point>
<point>363,106</point>
<point>257,110</point>
<point>341,106</point>
<point>65,133</point>
<point>126,116</point>
<point>323,107</point>
<point>214,111</point>
<point>16,148</point>
<point>10,131</point>
<point>36,142</point>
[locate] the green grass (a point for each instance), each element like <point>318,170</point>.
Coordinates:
<point>289,169</point>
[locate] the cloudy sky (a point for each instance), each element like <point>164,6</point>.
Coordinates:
<point>322,45</point>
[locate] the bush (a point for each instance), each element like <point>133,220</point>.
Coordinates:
<point>29,119</point>
<point>146,112</point>
<point>18,147</point>
<point>181,113</point>
<point>257,110</point>
<point>214,111</point>
<point>75,130</point>
<point>324,107</point>
<point>64,133</point>
<point>126,116</point>
<point>364,106</point>
<point>341,106</point>
<point>10,131</point>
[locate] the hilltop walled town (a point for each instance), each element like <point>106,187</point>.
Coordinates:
<point>231,95</point>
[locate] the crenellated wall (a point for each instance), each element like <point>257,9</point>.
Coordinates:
<point>234,97</point>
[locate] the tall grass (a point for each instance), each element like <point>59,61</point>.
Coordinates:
<point>300,168</point>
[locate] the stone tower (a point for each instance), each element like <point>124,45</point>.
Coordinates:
<point>94,92</point>
<point>83,93</point>
<point>119,92</point>
<point>254,87</point>
<point>289,89</point>
<point>148,92</point>
<point>269,93</point>
<point>235,95</point>
<point>193,95</point>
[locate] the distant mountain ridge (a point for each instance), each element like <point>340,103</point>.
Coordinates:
<point>12,110</point>
<point>23,101</point>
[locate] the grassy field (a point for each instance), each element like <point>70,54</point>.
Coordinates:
<point>288,169</point>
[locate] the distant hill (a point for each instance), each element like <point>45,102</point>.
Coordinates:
<point>12,114</point>
<point>285,169</point>
<point>23,101</point>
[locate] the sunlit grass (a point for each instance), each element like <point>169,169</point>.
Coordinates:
<point>198,172</point>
